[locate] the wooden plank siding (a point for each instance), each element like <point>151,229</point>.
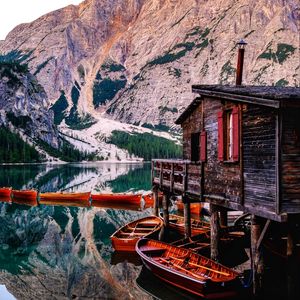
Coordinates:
<point>290,161</point>
<point>192,124</point>
<point>221,179</point>
<point>259,157</point>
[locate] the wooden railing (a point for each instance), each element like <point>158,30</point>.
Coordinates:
<point>178,176</point>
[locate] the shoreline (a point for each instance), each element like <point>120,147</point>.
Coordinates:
<point>49,163</point>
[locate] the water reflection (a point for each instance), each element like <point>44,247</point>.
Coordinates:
<point>78,177</point>
<point>64,252</point>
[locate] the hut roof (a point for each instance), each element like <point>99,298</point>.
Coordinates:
<point>271,96</point>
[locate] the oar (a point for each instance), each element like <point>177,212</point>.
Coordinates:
<point>187,271</point>
<point>200,266</point>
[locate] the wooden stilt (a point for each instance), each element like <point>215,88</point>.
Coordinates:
<point>215,232</point>
<point>187,219</point>
<point>165,205</point>
<point>223,216</point>
<point>155,202</point>
<point>292,266</point>
<point>257,258</point>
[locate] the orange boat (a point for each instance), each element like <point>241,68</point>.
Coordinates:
<point>118,198</point>
<point>177,223</point>
<point>148,199</point>
<point>194,207</point>
<point>187,270</point>
<point>5,194</point>
<point>125,238</point>
<point>122,206</point>
<point>27,197</point>
<point>72,199</point>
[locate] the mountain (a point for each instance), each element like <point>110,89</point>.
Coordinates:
<point>133,61</point>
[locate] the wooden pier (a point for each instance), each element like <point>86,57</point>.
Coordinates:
<point>241,151</point>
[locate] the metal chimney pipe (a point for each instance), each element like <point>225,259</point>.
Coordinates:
<point>240,63</point>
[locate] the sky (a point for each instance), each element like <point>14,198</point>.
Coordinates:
<point>15,12</point>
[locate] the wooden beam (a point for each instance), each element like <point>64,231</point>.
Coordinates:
<point>257,259</point>
<point>187,219</point>
<point>223,216</point>
<point>155,202</point>
<point>263,233</point>
<point>215,232</point>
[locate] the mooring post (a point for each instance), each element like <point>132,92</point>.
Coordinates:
<point>223,216</point>
<point>293,289</point>
<point>187,217</point>
<point>214,232</point>
<point>155,201</point>
<point>257,258</point>
<point>165,205</point>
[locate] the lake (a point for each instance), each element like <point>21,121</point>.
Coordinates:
<point>61,252</point>
<point>65,252</point>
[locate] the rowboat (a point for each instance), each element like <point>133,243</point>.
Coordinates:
<point>27,197</point>
<point>148,199</point>
<point>177,223</point>
<point>5,194</point>
<point>187,270</point>
<point>117,198</point>
<point>125,238</point>
<point>195,208</point>
<point>122,206</point>
<point>74,199</point>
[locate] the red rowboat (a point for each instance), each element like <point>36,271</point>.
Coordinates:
<point>187,270</point>
<point>73,199</point>
<point>118,198</point>
<point>5,194</point>
<point>126,237</point>
<point>177,223</point>
<point>194,207</point>
<point>148,199</point>
<point>122,206</point>
<point>27,197</point>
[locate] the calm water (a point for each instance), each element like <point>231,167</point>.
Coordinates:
<point>60,252</point>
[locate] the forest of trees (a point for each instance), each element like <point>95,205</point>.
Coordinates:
<point>146,145</point>
<point>14,150</point>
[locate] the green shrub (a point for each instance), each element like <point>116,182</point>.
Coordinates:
<point>59,108</point>
<point>106,90</point>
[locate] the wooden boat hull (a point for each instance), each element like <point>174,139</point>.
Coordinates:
<point>177,224</point>
<point>208,286</point>
<point>125,238</point>
<point>121,206</point>
<point>195,208</point>
<point>68,199</point>
<point>26,197</point>
<point>5,193</point>
<point>148,200</point>
<point>117,198</point>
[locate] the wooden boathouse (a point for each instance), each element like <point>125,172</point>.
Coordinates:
<point>241,151</point>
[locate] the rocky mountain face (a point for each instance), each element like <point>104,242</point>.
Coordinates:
<point>134,60</point>
<point>24,105</point>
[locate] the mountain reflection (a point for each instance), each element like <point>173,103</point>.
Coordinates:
<point>57,252</point>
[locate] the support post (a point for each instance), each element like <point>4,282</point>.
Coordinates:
<point>165,204</point>
<point>223,217</point>
<point>214,232</point>
<point>293,290</point>
<point>155,202</point>
<point>257,259</point>
<point>187,218</point>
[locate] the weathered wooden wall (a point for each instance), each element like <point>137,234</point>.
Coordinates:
<point>220,178</point>
<point>192,124</point>
<point>259,143</point>
<point>290,160</point>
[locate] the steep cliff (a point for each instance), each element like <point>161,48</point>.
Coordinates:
<point>24,105</point>
<point>134,61</point>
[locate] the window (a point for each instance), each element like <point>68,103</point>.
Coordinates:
<point>228,135</point>
<point>195,146</point>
